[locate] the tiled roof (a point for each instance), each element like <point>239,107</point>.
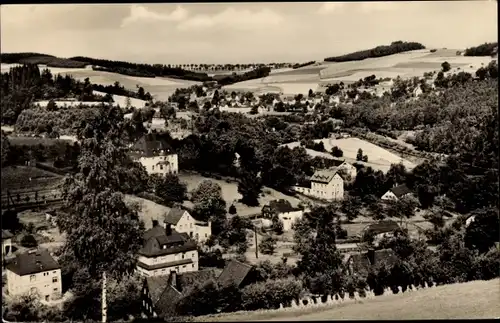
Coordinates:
<point>176,242</point>
<point>382,227</point>
<point>167,301</point>
<point>174,216</point>
<point>195,278</point>
<point>400,190</point>
<point>324,176</point>
<point>361,261</point>
<point>6,234</point>
<point>152,144</point>
<point>234,273</point>
<point>282,206</point>
<point>33,262</point>
<point>156,286</point>
<point>165,264</point>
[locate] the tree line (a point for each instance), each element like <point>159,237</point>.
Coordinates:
<point>379,51</point>
<point>486,49</point>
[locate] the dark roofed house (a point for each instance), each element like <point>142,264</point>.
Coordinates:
<point>360,263</point>
<point>160,294</point>
<point>35,272</point>
<point>166,250</point>
<point>383,226</point>
<point>238,273</point>
<point>397,192</point>
<point>277,207</point>
<point>155,153</point>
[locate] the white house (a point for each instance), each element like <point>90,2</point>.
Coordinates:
<point>285,212</point>
<point>34,272</point>
<point>166,250</point>
<point>347,168</point>
<point>6,243</point>
<point>324,184</point>
<point>155,154</point>
<point>396,193</point>
<point>182,222</point>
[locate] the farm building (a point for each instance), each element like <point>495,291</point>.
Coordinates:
<point>396,193</point>
<point>35,272</point>
<point>182,222</point>
<point>324,184</point>
<point>155,154</point>
<point>166,250</point>
<point>360,263</point>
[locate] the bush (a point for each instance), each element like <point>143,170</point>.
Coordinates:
<point>268,245</point>
<point>232,209</point>
<point>269,294</point>
<point>29,241</point>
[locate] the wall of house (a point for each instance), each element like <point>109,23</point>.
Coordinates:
<point>331,191</point>
<point>203,233</point>
<point>152,167</point>
<point>389,196</point>
<point>186,224</point>
<point>44,283</point>
<point>193,255</point>
<point>288,218</point>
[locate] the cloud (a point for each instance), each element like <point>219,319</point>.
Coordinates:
<point>140,13</point>
<point>234,18</point>
<point>329,7</point>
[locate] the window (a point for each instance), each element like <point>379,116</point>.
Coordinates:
<point>54,272</point>
<point>182,256</point>
<point>184,266</point>
<point>55,289</point>
<point>192,265</point>
<point>32,278</point>
<point>145,291</point>
<point>153,167</point>
<point>46,298</point>
<point>180,226</point>
<point>54,279</point>
<point>206,235</point>
<point>191,225</point>
<point>161,167</point>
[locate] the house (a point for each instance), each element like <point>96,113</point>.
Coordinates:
<point>345,167</point>
<point>182,222</point>
<point>396,193</point>
<point>35,272</point>
<point>324,184</point>
<point>360,263</point>
<point>166,250</point>
<point>238,274</point>
<point>160,294</point>
<point>155,154</point>
<point>285,212</point>
<point>381,229</point>
<point>6,243</point>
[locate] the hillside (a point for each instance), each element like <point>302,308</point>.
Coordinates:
<point>459,301</point>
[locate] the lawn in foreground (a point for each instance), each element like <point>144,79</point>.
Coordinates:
<point>458,301</point>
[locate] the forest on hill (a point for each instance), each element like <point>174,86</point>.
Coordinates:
<point>379,51</point>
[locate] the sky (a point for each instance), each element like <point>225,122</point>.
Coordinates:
<point>240,32</point>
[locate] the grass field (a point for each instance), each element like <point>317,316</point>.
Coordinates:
<point>472,300</point>
<point>148,210</point>
<point>231,195</point>
<point>122,100</point>
<point>17,178</point>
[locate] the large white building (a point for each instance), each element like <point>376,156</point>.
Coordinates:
<point>325,185</point>
<point>165,250</point>
<point>35,272</point>
<point>155,154</point>
<point>182,222</point>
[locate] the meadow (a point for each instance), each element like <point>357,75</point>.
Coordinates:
<point>26,178</point>
<point>472,300</point>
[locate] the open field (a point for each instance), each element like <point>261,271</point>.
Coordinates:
<point>231,195</point>
<point>472,300</point>
<point>378,158</point>
<point>148,210</point>
<point>122,100</point>
<point>20,178</point>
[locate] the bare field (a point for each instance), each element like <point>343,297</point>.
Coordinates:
<point>472,300</point>
<point>231,195</point>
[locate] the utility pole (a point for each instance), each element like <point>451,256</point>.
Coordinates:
<point>104,305</point>
<point>256,242</point>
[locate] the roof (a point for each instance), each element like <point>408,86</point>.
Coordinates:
<point>167,300</point>
<point>361,261</point>
<point>337,162</point>
<point>6,234</point>
<point>165,264</point>
<point>193,278</point>
<point>324,176</point>
<point>176,242</point>
<point>174,216</point>
<point>152,144</point>
<point>234,273</point>
<point>33,262</point>
<point>282,206</point>
<point>382,227</point>
<point>400,190</point>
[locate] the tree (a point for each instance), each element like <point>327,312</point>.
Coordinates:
<point>254,110</point>
<point>249,186</point>
<point>365,158</point>
<point>311,93</point>
<point>337,152</point>
<point>128,103</point>
<point>446,66</point>
<point>483,231</point>
<point>97,205</point>
<point>232,209</point>
<point>351,206</point>
<point>170,189</point>
<point>359,156</point>
<point>29,241</point>
<point>6,149</point>
<point>10,221</point>
<point>209,204</point>
<point>268,245</point>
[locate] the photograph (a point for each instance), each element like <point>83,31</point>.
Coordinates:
<point>250,161</point>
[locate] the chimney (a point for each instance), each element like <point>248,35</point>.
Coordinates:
<point>371,256</point>
<point>168,229</point>
<point>173,279</point>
